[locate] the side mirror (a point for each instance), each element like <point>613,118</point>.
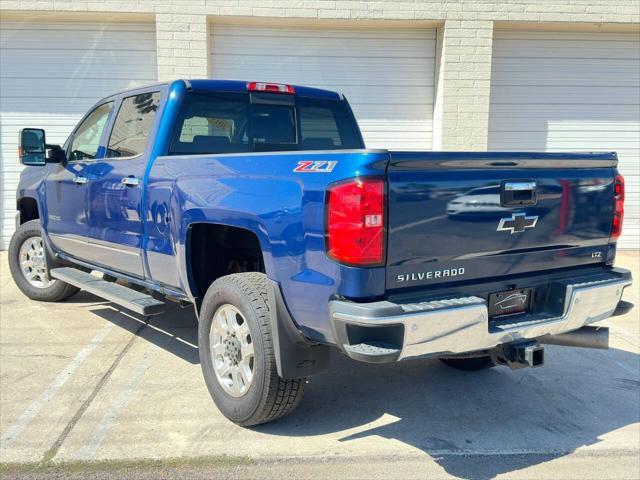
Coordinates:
<point>32,146</point>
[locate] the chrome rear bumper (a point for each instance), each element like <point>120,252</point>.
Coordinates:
<point>386,331</point>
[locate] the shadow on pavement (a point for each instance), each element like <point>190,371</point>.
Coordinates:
<point>473,424</point>
<point>175,331</point>
<point>526,417</point>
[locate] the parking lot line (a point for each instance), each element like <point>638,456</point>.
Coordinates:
<point>102,429</point>
<point>17,427</point>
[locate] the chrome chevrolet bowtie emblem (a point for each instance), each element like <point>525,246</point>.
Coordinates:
<point>518,223</point>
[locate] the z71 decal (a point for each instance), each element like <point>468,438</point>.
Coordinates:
<point>315,167</point>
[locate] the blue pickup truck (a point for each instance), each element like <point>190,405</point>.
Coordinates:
<point>259,204</point>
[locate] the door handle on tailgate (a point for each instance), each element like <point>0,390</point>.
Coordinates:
<point>80,180</point>
<point>519,186</point>
<point>518,192</point>
<point>130,181</point>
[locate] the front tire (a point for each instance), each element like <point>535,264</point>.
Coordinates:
<point>237,353</point>
<point>29,268</point>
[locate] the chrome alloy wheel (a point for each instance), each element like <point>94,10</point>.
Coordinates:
<point>231,349</point>
<point>33,263</point>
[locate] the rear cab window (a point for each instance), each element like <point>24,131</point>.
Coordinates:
<point>219,123</point>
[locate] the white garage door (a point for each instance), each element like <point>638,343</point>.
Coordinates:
<point>569,92</point>
<point>386,74</point>
<point>51,73</point>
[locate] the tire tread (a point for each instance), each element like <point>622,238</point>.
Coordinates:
<point>279,396</point>
<point>55,293</point>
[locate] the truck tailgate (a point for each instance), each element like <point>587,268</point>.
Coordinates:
<point>462,216</point>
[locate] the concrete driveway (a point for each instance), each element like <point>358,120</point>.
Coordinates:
<point>83,381</point>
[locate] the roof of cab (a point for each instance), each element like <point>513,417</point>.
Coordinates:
<point>206,85</point>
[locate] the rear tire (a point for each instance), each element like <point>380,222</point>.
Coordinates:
<point>237,353</point>
<point>29,267</point>
<point>468,364</point>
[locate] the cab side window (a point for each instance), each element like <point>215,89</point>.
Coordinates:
<point>133,125</point>
<point>86,138</point>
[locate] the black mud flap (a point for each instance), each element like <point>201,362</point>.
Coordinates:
<point>296,357</point>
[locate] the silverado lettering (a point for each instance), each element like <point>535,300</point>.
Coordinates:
<point>412,277</point>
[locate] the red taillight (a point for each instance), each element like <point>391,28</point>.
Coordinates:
<point>270,87</point>
<point>618,207</point>
<point>355,222</point>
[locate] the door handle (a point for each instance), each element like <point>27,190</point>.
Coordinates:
<point>80,180</point>
<point>130,181</point>
<point>519,186</point>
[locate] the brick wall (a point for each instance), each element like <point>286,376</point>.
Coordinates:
<point>465,34</point>
<point>183,45</point>
<point>461,116</point>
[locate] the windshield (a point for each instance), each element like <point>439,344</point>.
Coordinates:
<point>230,123</point>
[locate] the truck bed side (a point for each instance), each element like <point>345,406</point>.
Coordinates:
<point>285,209</point>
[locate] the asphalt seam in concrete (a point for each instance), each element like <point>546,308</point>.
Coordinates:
<point>102,429</point>
<point>53,450</point>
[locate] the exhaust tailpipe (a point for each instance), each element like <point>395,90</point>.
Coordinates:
<point>585,337</point>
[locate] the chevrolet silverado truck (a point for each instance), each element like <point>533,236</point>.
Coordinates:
<point>259,204</point>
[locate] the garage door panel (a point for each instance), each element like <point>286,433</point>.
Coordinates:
<point>107,33</point>
<point>51,73</point>
<point>341,71</point>
<point>12,36</point>
<point>95,66</point>
<point>63,88</point>
<point>582,76</point>
<point>61,105</point>
<point>571,45</point>
<point>571,52</point>
<point>49,43</point>
<point>590,135</point>
<point>373,34</point>
<point>568,91</point>
<point>67,26</point>
<point>387,74</point>
<point>531,125</point>
<point>555,95</point>
<point>568,66</point>
<point>242,35</point>
<point>328,73</point>
<point>571,110</point>
<point>560,142</point>
<point>331,47</point>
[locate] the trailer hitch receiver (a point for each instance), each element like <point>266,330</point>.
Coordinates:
<point>520,355</point>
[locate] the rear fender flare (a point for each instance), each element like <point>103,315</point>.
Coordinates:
<point>199,217</point>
